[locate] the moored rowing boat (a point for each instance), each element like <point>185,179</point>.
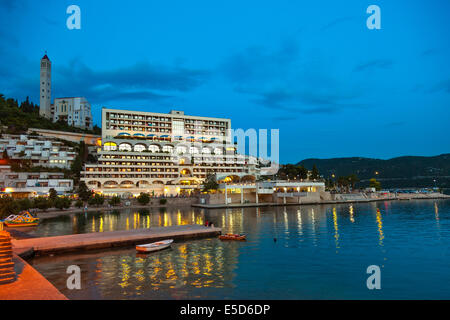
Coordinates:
<point>160,245</point>
<point>236,237</point>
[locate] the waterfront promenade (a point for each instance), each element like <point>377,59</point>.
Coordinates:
<point>341,199</point>
<point>102,240</point>
<point>29,285</point>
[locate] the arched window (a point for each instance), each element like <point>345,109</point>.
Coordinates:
<point>125,147</point>
<point>139,148</point>
<point>153,148</point>
<point>181,149</point>
<point>168,148</point>
<point>193,150</point>
<point>110,146</point>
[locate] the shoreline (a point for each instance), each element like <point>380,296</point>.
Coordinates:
<point>249,205</point>
<point>56,213</point>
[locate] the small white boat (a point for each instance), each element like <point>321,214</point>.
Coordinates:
<point>154,246</point>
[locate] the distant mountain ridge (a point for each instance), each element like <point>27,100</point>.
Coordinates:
<point>400,171</point>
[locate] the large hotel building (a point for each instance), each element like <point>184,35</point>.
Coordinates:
<point>164,154</point>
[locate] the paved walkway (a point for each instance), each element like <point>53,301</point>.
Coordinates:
<point>100,240</point>
<point>269,204</point>
<point>29,285</point>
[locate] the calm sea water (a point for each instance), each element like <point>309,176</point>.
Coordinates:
<point>320,252</point>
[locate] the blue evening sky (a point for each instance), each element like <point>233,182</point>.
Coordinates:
<point>312,69</point>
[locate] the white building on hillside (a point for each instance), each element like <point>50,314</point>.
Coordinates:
<point>75,111</point>
<point>31,184</point>
<point>42,152</point>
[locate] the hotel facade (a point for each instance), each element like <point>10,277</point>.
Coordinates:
<point>164,154</point>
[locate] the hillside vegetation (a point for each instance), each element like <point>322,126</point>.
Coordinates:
<point>408,171</point>
<point>17,118</point>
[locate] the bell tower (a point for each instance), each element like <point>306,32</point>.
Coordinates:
<point>45,95</point>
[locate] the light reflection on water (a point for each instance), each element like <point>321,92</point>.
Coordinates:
<point>114,220</point>
<point>294,252</point>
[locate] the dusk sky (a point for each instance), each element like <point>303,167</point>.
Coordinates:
<point>311,69</point>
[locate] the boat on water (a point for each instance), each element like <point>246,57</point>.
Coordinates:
<point>24,219</point>
<point>155,246</point>
<point>235,237</point>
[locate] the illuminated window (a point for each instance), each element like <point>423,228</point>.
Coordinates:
<point>193,150</point>
<point>125,147</point>
<point>139,148</point>
<point>181,149</point>
<point>109,146</point>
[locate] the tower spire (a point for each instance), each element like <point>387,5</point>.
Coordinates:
<point>45,93</point>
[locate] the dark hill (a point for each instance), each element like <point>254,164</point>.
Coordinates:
<point>408,171</point>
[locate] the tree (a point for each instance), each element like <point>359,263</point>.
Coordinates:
<point>18,118</point>
<point>315,175</point>
<point>162,201</point>
<point>52,194</point>
<point>25,204</point>
<point>373,183</point>
<point>342,182</point>
<point>302,172</point>
<point>67,202</point>
<point>353,179</point>
<point>62,203</point>
<point>210,183</point>
<point>329,183</point>
<point>58,203</point>
<point>114,201</point>
<point>8,206</point>
<point>97,200</point>
<point>42,203</point>
<point>83,191</point>
<point>79,203</point>
<point>76,167</point>
<point>143,198</point>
